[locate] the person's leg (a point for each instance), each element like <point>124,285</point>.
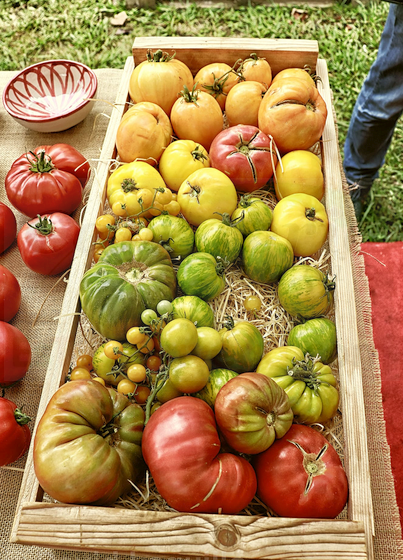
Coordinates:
<point>377,109</point>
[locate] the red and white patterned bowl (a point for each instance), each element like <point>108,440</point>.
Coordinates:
<point>51,96</point>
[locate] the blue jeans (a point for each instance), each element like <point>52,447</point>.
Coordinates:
<point>377,109</point>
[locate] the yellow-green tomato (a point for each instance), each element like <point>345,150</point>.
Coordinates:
<point>105,367</point>
<point>180,159</point>
<point>189,374</point>
<point>168,392</point>
<point>310,385</point>
<point>209,343</point>
<point>179,337</point>
<point>299,171</point>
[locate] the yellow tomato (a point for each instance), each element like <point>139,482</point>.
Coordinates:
<point>243,102</point>
<point>301,219</point>
<point>123,234</point>
<point>299,171</point>
<point>292,73</point>
<point>127,183</point>
<point>180,160</point>
<point>143,133</point>
<point>204,193</point>
<point>197,116</point>
<point>159,79</point>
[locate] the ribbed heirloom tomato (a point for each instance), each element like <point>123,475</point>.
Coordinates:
<point>216,79</point>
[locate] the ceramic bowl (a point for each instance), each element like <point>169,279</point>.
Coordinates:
<point>51,96</point>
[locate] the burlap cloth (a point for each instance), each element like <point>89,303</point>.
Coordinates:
<point>87,137</point>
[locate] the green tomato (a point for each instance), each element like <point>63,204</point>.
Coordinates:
<point>217,379</point>
<point>188,374</point>
<point>174,234</point>
<point>252,215</point>
<point>266,256</point>
<point>311,386</point>
<point>209,343</point>
<point>220,238</point>
<point>242,346</point>
<point>164,306</point>
<point>179,337</point>
<point>148,316</point>
<point>202,276</point>
<point>194,309</point>
<point>315,337</point>
<point>103,365</point>
<point>168,392</point>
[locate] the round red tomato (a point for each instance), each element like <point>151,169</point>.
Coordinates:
<point>8,227</point>
<point>15,435</point>
<point>47,243</point>
<point>245,154</point>
<point>15,355</point>
<point>48,179</point>
<point>301,475</point>
<point>10,294</point>
<point>181,447</point>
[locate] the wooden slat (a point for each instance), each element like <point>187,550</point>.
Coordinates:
<point>174,534</point>
<point>354,424</point>
<point>68,321</point>
<point>196,52</point>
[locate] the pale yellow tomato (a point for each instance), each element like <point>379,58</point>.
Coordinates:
<point>256,69</point>
<point>127,183</point>
<point>302,219</point>
<point>299,171</point>
<point>181,159</point>
<point>243,102</point>
<point>206,194</point>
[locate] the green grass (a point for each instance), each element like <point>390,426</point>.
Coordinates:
<point>348,37</point>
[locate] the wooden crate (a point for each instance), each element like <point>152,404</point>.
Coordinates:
<point>168,534</point>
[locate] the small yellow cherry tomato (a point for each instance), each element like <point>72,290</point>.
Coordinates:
<point>136,373</point>
<point>126,386</point>
<point>164,197</point>
<point>103,221</point>
<point>146,348</point>
<point>99,380</point>
<point>113,349</point>
<point>123,234</point>
<point>97,253</point>
<point>173,208</point>
<point>156,209</point>
<point>146,234</point>
<point>79,373</point>
<point>141,394</point>
<point>119,209</point>
<point>136,237</point>
<point>135,336</point>
<point>146,197</point>
<point>252,303</point>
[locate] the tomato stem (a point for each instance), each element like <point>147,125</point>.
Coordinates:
<point>20,417</point>
<point>44,226</point>
<point>41,163</point>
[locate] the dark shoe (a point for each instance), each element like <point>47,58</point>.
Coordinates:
<point>358,195</point>
<point>358,208</point>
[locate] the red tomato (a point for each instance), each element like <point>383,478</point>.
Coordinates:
<point>8,227</point>
<point>15,435</point>
<point>48,179</point>
<point>245,154</point>
<point>181,447</point>
<point>10,294</point>
<point>15,355</point>
<point>47,243</point>
<point>301,475</point>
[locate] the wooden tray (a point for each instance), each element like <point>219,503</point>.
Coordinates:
<point>149,533</point>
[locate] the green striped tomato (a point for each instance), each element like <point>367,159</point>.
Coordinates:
<point>311,386</point>
<point>217,379</point>
<point>201,275</point>
<point>252,214</point>
<point>194,309</point>
<point>242,347</point>
<point>131,276</point>
<point>266,256</point>
<point>315,337</point>
<point>220,238</point>
<point>174,234</point>
<point>306,291</point>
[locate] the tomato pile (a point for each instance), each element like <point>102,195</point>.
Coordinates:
<point>212,414</point>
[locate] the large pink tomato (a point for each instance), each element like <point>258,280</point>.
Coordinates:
<point>246,155</point>
<point>301,475</point>
<point>182,450</point>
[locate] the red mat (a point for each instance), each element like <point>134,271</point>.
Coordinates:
<point>384,268</point>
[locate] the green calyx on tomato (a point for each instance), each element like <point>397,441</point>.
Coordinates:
<point>159,56</point>
<point>41,163</point>
<point>43,226</point>
<point>303,370</point>
<point>190,96</point>
<point>198,155</point>
<point>20,417</point>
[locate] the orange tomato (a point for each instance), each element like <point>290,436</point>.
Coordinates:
<point>293,113</point>
<point>197,116</point>
<point>291,73</point>
<point>256,69</point>
<point>144,132</point>
<point>217,79</point>
<point>243,102</point>
<point>159,79</point>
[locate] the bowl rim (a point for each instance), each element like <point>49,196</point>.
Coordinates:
<point>61,115</point>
